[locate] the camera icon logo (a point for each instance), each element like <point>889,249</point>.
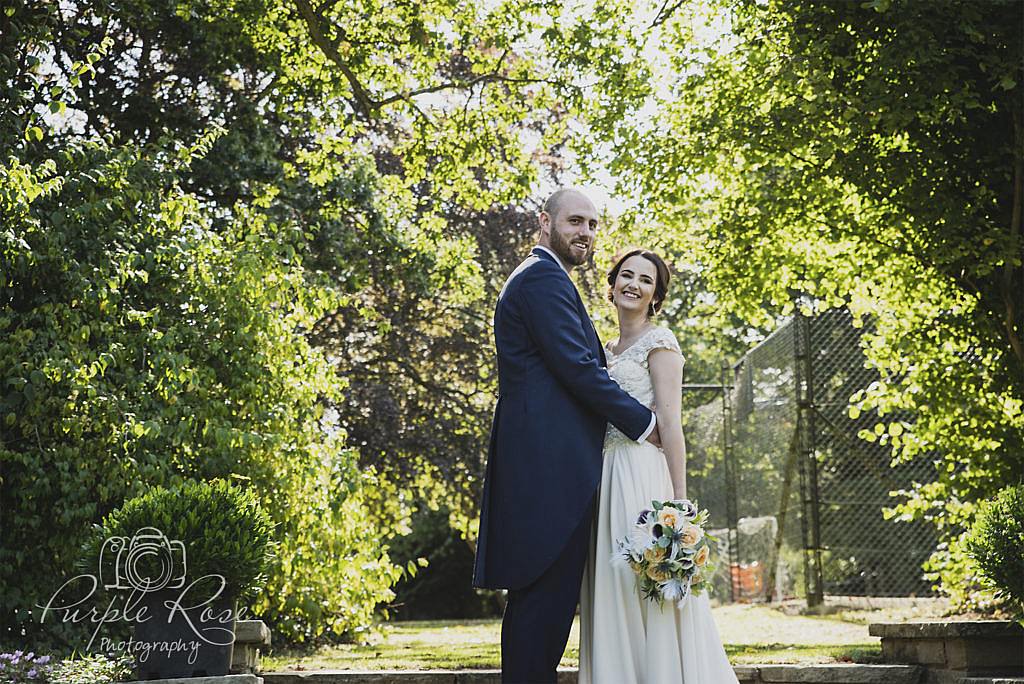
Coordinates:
<point>149,561</point>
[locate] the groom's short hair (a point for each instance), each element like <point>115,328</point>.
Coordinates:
<point>553,204</point>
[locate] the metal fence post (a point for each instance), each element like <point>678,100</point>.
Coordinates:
<point>810,499</point>
<point>731,503</point>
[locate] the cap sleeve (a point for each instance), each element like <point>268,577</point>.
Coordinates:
<point>661,338</point>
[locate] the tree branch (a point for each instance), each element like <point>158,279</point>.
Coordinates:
<point>492,77</point>
<point>363,100</point>
<point>368,106</point>
<point>665,13</point>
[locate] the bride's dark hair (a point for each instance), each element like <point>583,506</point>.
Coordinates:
<point>660,286</point>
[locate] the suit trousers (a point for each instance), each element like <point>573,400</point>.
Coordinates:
<point>537,620</point>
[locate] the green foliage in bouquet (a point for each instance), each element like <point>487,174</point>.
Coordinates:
<point>996,544</point>
<point>223,528</point>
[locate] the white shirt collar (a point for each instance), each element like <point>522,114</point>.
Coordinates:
<point>555,257</point>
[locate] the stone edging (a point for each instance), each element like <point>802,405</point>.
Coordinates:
<point>946,630</point>
<point>747,674</point>
<point>986,648</point>
<point>226,679</point>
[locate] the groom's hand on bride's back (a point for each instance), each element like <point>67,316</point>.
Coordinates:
<point>655,437</point>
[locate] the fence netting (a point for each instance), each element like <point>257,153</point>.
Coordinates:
<point>795,496</point>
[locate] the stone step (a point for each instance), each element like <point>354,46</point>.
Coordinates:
<point>967,647</point>
<point>747,674</point>
<point>397,677</point>
<point>840,674</point>
<point>226,679</point>
<point>935,676</point>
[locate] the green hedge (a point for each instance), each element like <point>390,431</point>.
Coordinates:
<point>144,341</point>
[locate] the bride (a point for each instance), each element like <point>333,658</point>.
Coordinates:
<point>624,638</point>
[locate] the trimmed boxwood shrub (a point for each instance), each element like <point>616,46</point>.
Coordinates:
<point>223,528</point>
<point>996,543</point>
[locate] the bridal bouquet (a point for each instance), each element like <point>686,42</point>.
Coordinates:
<point>668,550</point>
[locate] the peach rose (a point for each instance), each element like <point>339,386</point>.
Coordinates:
<point>701,558</point>
<point>654,555</point>
<point>691,534</point>
<point>668,517</point>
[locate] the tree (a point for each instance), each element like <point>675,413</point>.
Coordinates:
<point>387,131</point>
<point>371,155</point>
<point>869,155</point>
<point>403,137</point>
<point>141,346</point>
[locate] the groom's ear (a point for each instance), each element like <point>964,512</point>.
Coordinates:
<point>544,219</point>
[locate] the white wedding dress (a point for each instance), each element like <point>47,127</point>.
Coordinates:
<point>624,638</point>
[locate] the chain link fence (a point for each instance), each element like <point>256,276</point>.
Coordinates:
<point>796,496</point>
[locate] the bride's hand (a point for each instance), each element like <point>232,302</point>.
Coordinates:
<point>655,437</point>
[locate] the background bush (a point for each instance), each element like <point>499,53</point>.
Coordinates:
<point>443,588</point>
<point>139,347</point>
<point>996,544</point>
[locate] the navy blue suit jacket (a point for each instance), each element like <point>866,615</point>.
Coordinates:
<point>555,400</point>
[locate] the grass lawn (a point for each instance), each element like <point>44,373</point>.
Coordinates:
<point>751,633</point>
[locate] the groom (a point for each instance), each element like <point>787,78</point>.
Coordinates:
<point>555,400</point>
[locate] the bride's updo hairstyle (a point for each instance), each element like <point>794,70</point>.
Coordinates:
<point>660,286</point>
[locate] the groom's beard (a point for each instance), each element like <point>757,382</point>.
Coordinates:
<point>563,248</point>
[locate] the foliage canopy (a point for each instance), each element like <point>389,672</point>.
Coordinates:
<point>868,155</point>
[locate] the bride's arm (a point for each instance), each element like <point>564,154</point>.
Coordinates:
<point>666,369</point>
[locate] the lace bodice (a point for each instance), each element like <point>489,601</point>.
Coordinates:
<point>630,370</point>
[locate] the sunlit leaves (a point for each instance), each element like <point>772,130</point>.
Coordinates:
<point>141,347</point>
<point>819,150</point>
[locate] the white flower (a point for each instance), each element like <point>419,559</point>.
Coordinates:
<point>675,590</point>
<point>620,559</point>
<point>638,541</point>
<point>686,507</point>
<point>669,517</point>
